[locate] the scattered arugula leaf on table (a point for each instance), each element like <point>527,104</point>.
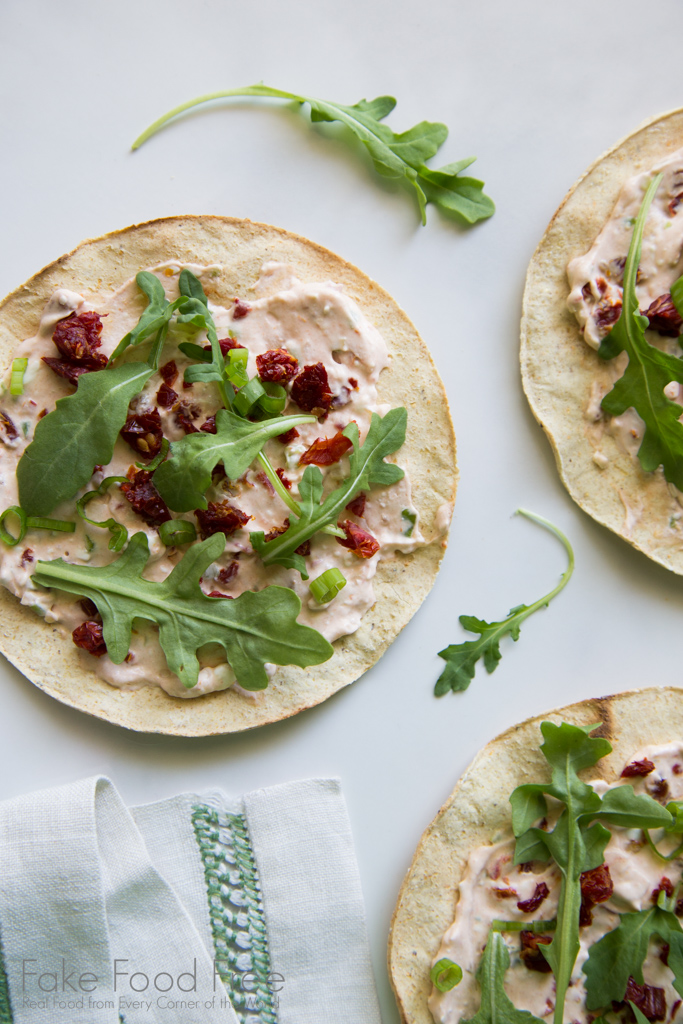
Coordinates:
<point>461,659</point>
<point>577,842</point>
<point>496,1007</point>
<point>400,156</point>
<point>184,478</point>
<point>649,370</point>
<point>366,468</point>
<point>620,953</point>
<point>253,629</point>
<point>77,435</point>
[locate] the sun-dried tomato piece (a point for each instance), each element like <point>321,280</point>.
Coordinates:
<point>220,517</point>
<point>217,593</point>
<point>27,556</point>
<point>284,479</point>
<point>638,769</point>
<point>357,506</point>
<point>143,433</point>
<point>664,955</point>
<point>89,607</point>
<point>77,338</point>
<point>228,573</point>
<point>169,372</point>
<point>166,396</point>
<point>288,436</point>
<point>675,203</point>
<point>88,636</point>
<point>597,885</point>
<point>277,366</point>
<point>664,317</point>
<point>665,885</point>
<point>311,389</point>
<point>325,451</point>
<point>541,892</point>
<point>144,497</point>
<point>277,530</point>
<point>676,768</point>
<point>649,1000</point>
<point>606,313</point>
<point>185,413</point>
<point>78,335</point>
<point>505,894</point>
<point>304,549</point>
<point>209,425</point>
<point>225,344</point>
<point>72,371</point>
<point>7,427</point>
<point>658,789</point>
<point>354,383</point>
<point>531,955</point>
<point>358,540</point>
<point>42,413</point>
<point>240,309</point>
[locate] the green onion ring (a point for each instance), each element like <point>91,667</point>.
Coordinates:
<point>248,396</point>
<point>177,531</point>
<point>119,533</point>
<point>156,461</point>
<point>445,975</point>
<point>327,586</point>
<point>7,537</point>
<point>40,523</point>
<point>275,398</point>
<point>16,384</point>
<point>236,369</point>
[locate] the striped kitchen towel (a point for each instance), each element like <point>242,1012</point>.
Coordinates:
<point>196,910</point>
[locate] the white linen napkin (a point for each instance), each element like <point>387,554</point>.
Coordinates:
<point>195,910</point>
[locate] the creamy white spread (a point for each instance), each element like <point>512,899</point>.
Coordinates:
<point>492,886</point>
<point>596,282</point>
<point>316,323</point>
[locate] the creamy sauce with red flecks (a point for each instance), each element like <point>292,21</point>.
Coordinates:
<point>492,886</point>
<point>316,323</point>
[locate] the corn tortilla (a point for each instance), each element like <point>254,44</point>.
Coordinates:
<point>97,267</point>
<point>479,807</point>
<point>559,368</point>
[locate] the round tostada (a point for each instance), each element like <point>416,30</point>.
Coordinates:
<point>549,885</point>
<point>227,472</point>
<point>600,335</point>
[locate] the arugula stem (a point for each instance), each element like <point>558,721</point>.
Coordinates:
<point>250,90</point>
<point>157,348</point>
<point>289,501</point>
<point>662,856</point>
<point>566,575</point>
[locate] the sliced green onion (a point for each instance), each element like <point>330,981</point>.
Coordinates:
<point>537,927</point>
<point>16,383</point>
<point>40,523</point>
<point>177,531</point>
<point>9,538</point>
<point>157,460</point>
<point>30,523</point>
<point>327,586</point>
<point>275,398</point>
<point>119,533</point>
<point>445,975</point>
<point>195,352</point>
<point>236,367</point>
<point>248,396</point>
<point>409,520</point>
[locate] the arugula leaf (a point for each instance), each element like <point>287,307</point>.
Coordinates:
<point>79,434</point>
<point>461,659</point>
<point>394,156</point>
<point>648,372</point>
<point>620,954</point>
<point>186,475</point>
<point>253,629</point>
<point>366,468</point>
<point>638,1014</point>
<point>496,1007</point>
<point>155,318</point>
<point>578,841</point>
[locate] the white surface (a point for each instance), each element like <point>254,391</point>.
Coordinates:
<point>537,90</point>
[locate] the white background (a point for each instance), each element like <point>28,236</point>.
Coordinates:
<point>536,90</point>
